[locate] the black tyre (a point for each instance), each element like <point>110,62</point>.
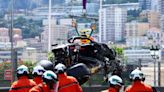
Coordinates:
<point>80,71</point>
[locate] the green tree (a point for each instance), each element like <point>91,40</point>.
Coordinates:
<point>30,28</point>
<point>51,56</point>
<point>143,20</point>
<point>30,66</point>
<point>130,18</point>
<point>3,23</point>
<point>133,15</point>
<point>119,51</point>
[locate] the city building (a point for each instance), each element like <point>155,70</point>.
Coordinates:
<point>162,38</point>
<point>136,29</point>
<point>73,1</point>
<point>21,44</point>
<point>42,56</point>
<point>155,5</point>
<point>161,9</point>
<point>42,12</point>
<point>162,22</point>
<point>133,55</point>
<point>145,4</point>
<point>5,55</point>
<point>29,54</point>
<point>34,42</point>
<point>136,34</point>
<point>155,36</point>
<point>59,32</point>
<point>140,41</point>
<point>152,16</point>
<point>4,35</point>
<point>162,54</point>
<point>17,31</point>
<point>111,24</point>
<point>60,11</point>
<point>5,45</point>
<point>161,6</point>
<point>16,15</point>
<point>127,6</point>
<point>92,8</point>
<point>38,2</point>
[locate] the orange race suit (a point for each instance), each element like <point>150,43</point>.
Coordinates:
<point>42,87</point>
<point>139,86</point>
<point>37,79</point>
<point>68,84</point>
<point>23,84</point>
<point>111,89</point>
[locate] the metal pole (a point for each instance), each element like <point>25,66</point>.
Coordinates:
<point>155,72</point>
<point>159,73</point>
<point>100,22</point>
<point>49,27</point>
<point>11,40</point>
<point>139,64</point>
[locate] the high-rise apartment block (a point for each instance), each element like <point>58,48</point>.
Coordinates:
<point>161,9</point>
<point>155,5</point>
<point>112,20</point>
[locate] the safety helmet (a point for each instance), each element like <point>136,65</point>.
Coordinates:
<point>49,76</point>
<point>137,75</point>
<point>46,64</point>
<point>60,68</point>
<point>22,70</point>
<point>38,70</point>
<point>115,80</point>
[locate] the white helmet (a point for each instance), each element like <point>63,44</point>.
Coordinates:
<point>38,70</point>
<point>137,75</point>
<point>115,80</point>
<point>60,68</point>
<point>50,76</point>
<point>22,70</point>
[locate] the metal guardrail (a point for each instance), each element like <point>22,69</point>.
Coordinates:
<point>86,89</point>
<point>159,89</point>
<point>4,89</point>
<point>94,89</point>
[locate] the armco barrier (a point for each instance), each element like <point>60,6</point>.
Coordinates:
<point>159,89</point>
<point>94,89</point>
<point>99,89</point>
<point>86,89</point>
<point>4,89</point>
